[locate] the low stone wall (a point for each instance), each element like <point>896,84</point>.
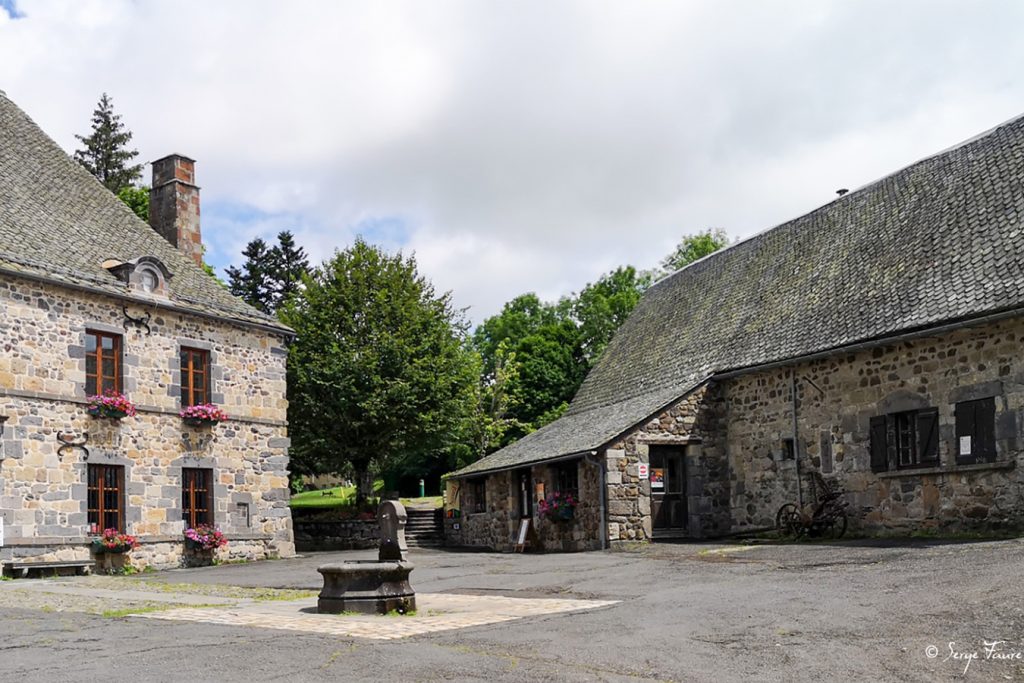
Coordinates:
<point>349,534</point>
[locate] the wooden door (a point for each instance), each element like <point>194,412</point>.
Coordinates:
<point>525,494</point>
<point>667,474</point>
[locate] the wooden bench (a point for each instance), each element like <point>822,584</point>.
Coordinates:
<point>21,568</point>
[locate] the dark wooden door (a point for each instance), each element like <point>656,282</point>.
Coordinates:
<point>668,488</point>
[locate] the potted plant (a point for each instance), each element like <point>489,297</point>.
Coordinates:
<point>111,404</point>
<point>558,506</point>
<point>204,537</point>
<point>203,415</point>
<point>113,542</point>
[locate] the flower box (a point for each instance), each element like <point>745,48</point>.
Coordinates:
<point>203,415</point>
<point>558,507</point>
<point>110,405</point>
<point>113,542</point>
<point>204,538</point>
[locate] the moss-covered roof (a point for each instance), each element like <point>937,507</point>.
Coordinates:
<point>939,241</point>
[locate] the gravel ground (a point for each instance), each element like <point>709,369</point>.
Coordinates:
<point>707,612</point>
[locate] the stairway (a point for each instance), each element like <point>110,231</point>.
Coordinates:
<point>424,528</point>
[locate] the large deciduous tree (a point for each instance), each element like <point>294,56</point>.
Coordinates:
<point>694,247</point>
<point>378,374</point>
<point>106,154</point>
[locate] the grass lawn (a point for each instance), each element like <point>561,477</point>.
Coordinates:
<point>342,496</point>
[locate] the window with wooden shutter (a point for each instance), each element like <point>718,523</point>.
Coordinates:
<point>928,437</point>
<point>975,431</point>
<point>879,444</point>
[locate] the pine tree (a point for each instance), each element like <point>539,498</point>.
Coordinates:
<point>106,154</point>
<point>289,263</point>
<point>252,282</point>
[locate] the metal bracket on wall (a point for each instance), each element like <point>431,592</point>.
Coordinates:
<point>141,321</point>
<point>72,443</point>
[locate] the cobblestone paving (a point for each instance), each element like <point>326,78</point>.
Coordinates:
<point>435,612</point>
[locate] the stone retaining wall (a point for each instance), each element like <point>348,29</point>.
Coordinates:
<point>353,534</point>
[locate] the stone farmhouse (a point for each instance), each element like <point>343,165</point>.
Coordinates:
<point>92,299</point>
<point>875,340</point>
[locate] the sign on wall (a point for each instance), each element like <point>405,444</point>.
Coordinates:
<point>641,470</point>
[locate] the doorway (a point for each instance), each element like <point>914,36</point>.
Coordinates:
<point>525,493</point>
<point>669,510</point>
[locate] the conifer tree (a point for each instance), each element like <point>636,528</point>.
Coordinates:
<point>106,154</point>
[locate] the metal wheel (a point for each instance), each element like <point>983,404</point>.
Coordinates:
<point>837,527</point>
<point>788,521</point>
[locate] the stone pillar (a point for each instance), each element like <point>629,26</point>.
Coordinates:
<point>174,204</point>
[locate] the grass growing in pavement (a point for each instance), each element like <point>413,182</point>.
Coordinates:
<point>143,609</point>
<point>210,589</point>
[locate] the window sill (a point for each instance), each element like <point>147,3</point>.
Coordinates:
<point>955,469</point>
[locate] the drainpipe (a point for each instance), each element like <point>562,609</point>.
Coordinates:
<point>796,440</point>
<point>602,486</point>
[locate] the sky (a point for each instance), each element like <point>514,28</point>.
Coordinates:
<point>524,146</point>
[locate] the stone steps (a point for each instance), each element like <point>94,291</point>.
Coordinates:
<point>423,528</point>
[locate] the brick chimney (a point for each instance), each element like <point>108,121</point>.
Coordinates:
<point>174,204</point>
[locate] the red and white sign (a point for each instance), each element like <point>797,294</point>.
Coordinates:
<point>642,471</point>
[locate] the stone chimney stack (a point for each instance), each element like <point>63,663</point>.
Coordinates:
<point>174,204</point>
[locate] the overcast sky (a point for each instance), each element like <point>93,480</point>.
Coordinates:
<point>517,146</point>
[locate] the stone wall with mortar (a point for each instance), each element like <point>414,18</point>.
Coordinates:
<point>834,424</point>
<point>496,527</point>
<point>42,393</point>
<point>350,534</point>
<point>691,423</point>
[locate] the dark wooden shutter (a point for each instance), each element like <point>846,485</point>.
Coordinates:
<point>984,429</point>
<point>879,447</point>
<point>928,436</point>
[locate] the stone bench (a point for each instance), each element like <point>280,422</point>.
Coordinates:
<point>21,568</point>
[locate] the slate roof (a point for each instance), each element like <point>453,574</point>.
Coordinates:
<point>937,242</point>
<point>58,223</point>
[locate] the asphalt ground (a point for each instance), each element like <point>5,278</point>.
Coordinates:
<point>853,611</point>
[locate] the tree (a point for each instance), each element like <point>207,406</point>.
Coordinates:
<point>288,264</point>
<point>269,275</point>
<point>693,247</point>
<point>106,154</point>
<point>378,374</point>
<point>137,199</point>
<point>252,282</point>
<point>602,307</point>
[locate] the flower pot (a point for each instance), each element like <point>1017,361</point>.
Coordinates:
<point>109,414</point>
<point>101,549</point>
<point>198,422</point>
<point>565,514</point>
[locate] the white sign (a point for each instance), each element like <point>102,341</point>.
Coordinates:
<point>641,470</point>
<point>1,532</point>
<point>965,445</point>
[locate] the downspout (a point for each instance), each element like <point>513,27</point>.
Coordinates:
<point>601,467</point>
<point>796,440</point>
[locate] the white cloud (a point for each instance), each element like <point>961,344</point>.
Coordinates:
<point>529,145</point>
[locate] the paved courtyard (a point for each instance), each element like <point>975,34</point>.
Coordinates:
<point>706,612</point>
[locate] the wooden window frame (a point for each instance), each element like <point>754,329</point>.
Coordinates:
<point>976,419</point>
<point>94,382</point>
<point>98,514</point>
<point>190,396</point>
<point>477,490</point>
<point>191,494</point>
<point>567,478</point>
<point>906,440</point>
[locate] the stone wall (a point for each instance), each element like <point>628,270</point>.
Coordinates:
<point>496,527</point>
<point>691,423</point>
<point>42,393</point>
<point>834,432</point>
<point>349,534</point>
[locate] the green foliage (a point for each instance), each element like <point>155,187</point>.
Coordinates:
<point>106,154</point>
<point>378,376</point>
<point>137,199</point>
<point>602,307</point>
<point>694,247</point>
<point>269,275</point>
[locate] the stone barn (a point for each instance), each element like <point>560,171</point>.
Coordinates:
<point>875,340</point>
<point>95,300</point>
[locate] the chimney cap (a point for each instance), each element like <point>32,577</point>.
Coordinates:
<point>841,191</point>
<point>173,156</point>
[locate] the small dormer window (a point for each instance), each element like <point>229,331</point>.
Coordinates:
<point>149,280</point>
<point>145,274</point>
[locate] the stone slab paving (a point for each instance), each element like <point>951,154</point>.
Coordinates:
<point>435,612</point>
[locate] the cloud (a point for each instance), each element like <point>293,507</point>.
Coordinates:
<point>518,146</point>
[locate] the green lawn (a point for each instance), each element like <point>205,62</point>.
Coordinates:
<point>344,496</point>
